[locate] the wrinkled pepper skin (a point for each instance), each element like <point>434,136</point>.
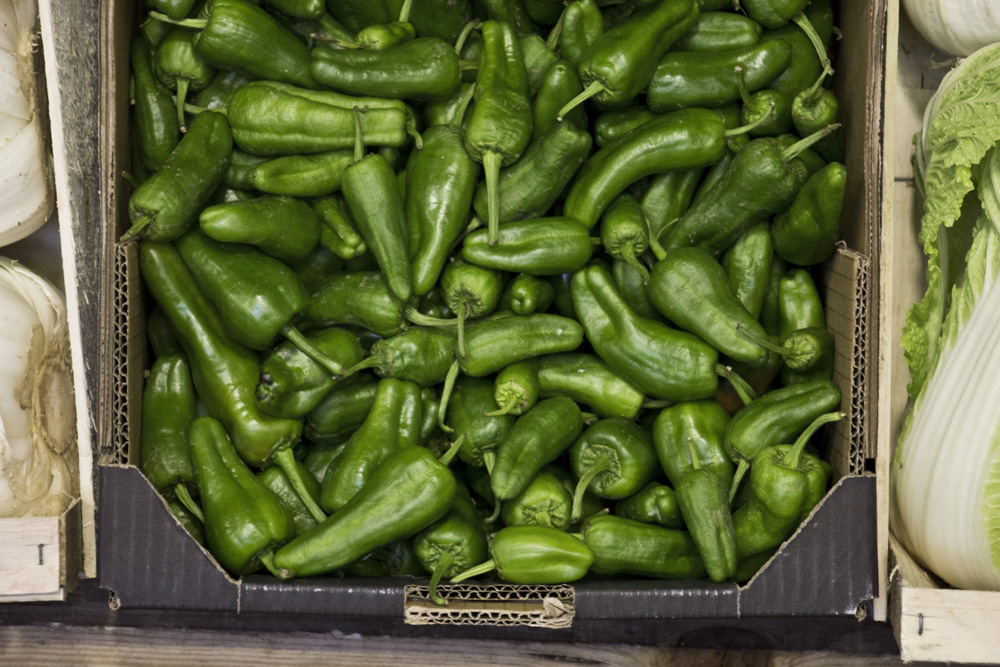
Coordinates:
<point>654,504</point>
<point>421,355</point>
<point>359,298</point>
<point>748,267</point>
<point>539,247</point>
<point>283,227</point>
<point>807,233</point>
<point>623,546</point>
<point>168,408</point>
<point>582,24</point>
<point>697,425</point>
<point>664,363</point>
<point>560,84</point>
<point>312,175</point>
<point>692,290</point>
<point>704,503</point>
<point>720,31</point>
<point>539,555</point>
<point>467,414</point>
<point>412,489</point>
<point>166,204</point>
<point>224,372</point>
<point>544,502</point>
<point>154,113</point>
<point>621,450</point>
<point>392,425</point>
<point>801,307</point>
<point>341,411</point>
<point>491,345</point>
<point>685,139</point>
<point>244,520</point>
<point>517,387</point>
<point>537,438</point>
<point>588,380</point>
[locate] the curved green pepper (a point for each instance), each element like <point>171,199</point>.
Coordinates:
<point>175,9</point>
<point>161,336</point>
<point>534,555</point>
<point>611,125</point>
<point>517,388</point>
<point>154,115</point>
<point>337,231</point>
<point>341,411</point>
<point>632,286</point>
<point>470,291</point>
<point>217,94</point>
<point>623,546</point>
<point>580,25</point>
<point>538,59</point>
<point>698,426</point>
<point>421,355</point>
<point>539,247</point>
<point>275,480</point>
<point>283,227</point>
<point>179,66</point>
<point>703,499</point>
<point>588,380</point>
<point>468,413</point>
<point>360,298</point>
<point>526,294</point>
<point>544,502</point>
<point>613,458</point>
<point>655,504</point>
<point>807,233</point>
<point>312,175</point>
<point>748,266</point>
<point>801,308</point>
<point>773,13</point>
<point>491,345</point>
<point>452,544</point>
<point>624,232</point>
<point>720,31</point>
<point>560,84</point>
<point>667,198</point>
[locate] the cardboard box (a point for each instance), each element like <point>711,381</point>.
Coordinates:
<point>42,558</point>
<point>828,568</point>
<point>930,620</point>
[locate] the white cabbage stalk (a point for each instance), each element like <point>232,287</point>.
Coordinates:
<point>38,458</point>
<point>25,180</point>
<point>957,27</point>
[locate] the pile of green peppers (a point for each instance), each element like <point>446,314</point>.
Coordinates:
<point>569,245</point>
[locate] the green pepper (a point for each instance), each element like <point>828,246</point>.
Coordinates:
<point>623,546</point>
<point>623,232</point>
<point>564,298</point>
<point>526,294</point>
<point>244,520</point>
<point>544,12</point>
<point>774,418</point>
<point>538,59</point>
<point>433,305</point>
<point>155,117</point>
<point>543,502</point>
<point>300,9</point>
<point>500,127</point>
<point>534,555</point>
<point>539,247</point>
<point>421,355</point>
<point>619,64</point>
<point>337,231</point>
<point>356,14</point>
<point>312,175</point>
<point>529,187</point>
<point>317,267</point>
<point>655,503</point>
<point>748,266</point>
<point>194,527</point>
<point>491,345</point>
<point>768,111</point>
<point>424,68</point>
<point>692,290</point>
<point>703,499</point>
<point>319,458</point>
<point>773,13</point>
<point>560,84</point>
<point>801,308</point>
<point>632,286</point>
<point>166,204</point>
<point>588,380</point>
<point>786,483</point>
<point>231,37</point>
<point>720,31</point>
<point>451,110</point>
<point>381,36</point>
<point>697,425</point>
<point>429,427</point>
<point>611,125</point>
<point>812,161</point>
<point>804,67</point>
<point>404,495</point>
<point>216,95</point>
<point>180,67</point>
<point>685,139</point>
<point>511,12</point>
<point>762,180</point>
<point>292,383</point>
<point>440,18</point>
<point>807,233</point>
<point>341,411</point>
<point>580,26</point>
<point>161,336</point>
<point>517,388</point>
<point>168,408</point>
<point>283,227</point>
<point>175,9</point>
<point>452,544</point>
<point>441,180</point>
<point>468,412</point>
<point>806,349</point>
<point>271,118</point>
<point>470,291</point>
<point>662,362</point>
<point>359,298</point>
<point>237,176</point>
<point>667,198</point>
<point>392,425</point>
<point>690,78</point>
<point>537,438</point>
<point>275,480</point>
<point>613,458</point>
<point>769,310</point>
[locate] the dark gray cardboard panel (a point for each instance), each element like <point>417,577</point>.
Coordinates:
<point>343,597</point>
<point>146,558</point>
<point>655,599</point>
<point>830,567</point>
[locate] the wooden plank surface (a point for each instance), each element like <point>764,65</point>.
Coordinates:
<point>30,559</point>
<point>106,647</point>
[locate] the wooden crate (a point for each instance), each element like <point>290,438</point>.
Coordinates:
<point>40,557</point>
<point>931,621</point>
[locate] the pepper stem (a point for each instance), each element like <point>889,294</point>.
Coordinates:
<point>419,318</point>
<point>750,127</point>
<point>588,418</point>
<point>497,506</point>
<point>449,386</point>
<point>632,259</point>
<point>411,129</point>
<point>762,342</point>
<point>552,42</point>
<point>359,144</point>
<point>740,386</point>
<point>285,459</point>
<point>809,95</point>
<point>581,487</point>
<point>741,84</point>
<point>594,88</point>
<point>449,455</point>
<point>184,498</point>
<point>793,151</point>
<point>491,166</point>
<point>741,469</point>
<point>336,41</point>
<point>195,109</point>
<point>695,461</point>
<point>404,13</point>
<point>182,91</point>
<point>442,566</point>
<point>807,27</point>
<point>652,404</point>
<point>507,407</point>
<point>266,558</point>
<point>133,232</point>
<point>482,568</point>
<point>464,35</point>
<point>468,65</point>
<point>197,24</point>
<point>463,312</point>
<point>368,362</point>
<point>314,353</point>
<point>464,104</point>
<point>793,455</point>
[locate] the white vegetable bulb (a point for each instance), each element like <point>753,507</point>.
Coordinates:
<point>957,27</point>
<point>37,413</point>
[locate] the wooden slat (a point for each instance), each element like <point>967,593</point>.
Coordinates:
<point>31,556</point>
